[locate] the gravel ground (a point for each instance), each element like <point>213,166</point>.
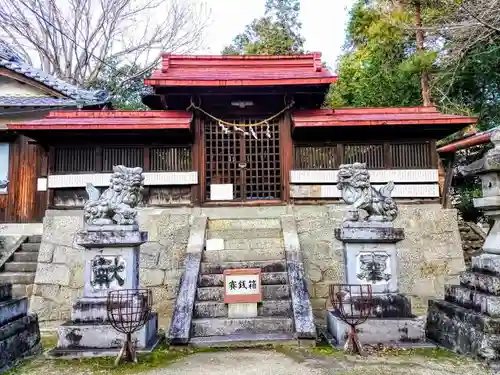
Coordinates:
<point>264,362</point>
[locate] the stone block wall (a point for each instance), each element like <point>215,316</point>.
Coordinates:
<point>59,278</point>
<point>430,256</point>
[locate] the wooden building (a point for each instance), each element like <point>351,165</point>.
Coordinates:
<point>230,130</point>
<point>27,94</point>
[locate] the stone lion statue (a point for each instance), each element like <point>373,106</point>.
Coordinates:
<point>354,183</point>
<point>117,205</point>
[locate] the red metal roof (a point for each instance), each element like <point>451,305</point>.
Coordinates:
<point>246,70</point>
<point>376,116</point>
<point>108,120</point>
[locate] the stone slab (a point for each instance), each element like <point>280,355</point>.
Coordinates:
<point>383,306</point>
<point>75,353</point>
<point>225,326</point>
<point>25,323</point>
<point>112,228</point>
<point>5,292</point>
<point>378,330</point>
<point>242,310</point>
<point>485,283</point>
<point>243,340</point>
<point>267,278</point>
<point>264,265</point>
<point>13,309</point>
<point>196,240</point>
<point>220,256</point>
<point>213,309</point>
<point>383,260</point>
<point>369,234</point>
<point>18,340</point>
<point>472,299</point>
<point>126,258</point>
<point>103,336</point>
<point>269,292</point>
<point>182,315</point>
<point>462,331</point>
<point>90,310</point>
<point>237,234</point>
<point>290,235</point>
<point>99,239</point>
<point>486,263</point>
<point>302,310</point>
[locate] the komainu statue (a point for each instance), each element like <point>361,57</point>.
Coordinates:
<point>117,205</point>
<point>354,183</point>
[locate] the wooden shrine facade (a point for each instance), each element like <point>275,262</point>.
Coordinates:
<point>238,130</point>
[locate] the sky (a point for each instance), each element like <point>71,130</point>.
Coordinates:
<point>323,24</point>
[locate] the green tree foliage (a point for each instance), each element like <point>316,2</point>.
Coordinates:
<point>381,65</point>
<point>124,82</point>
<point>277,33</point>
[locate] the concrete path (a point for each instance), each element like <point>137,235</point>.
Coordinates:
<point>271,362</point>
<point>250,362</point>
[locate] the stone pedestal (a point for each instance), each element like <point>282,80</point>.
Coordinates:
<point>370,255</point>
<point>111,263</point>
<point>19,332</point>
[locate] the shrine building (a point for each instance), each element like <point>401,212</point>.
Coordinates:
<point>240,138</point>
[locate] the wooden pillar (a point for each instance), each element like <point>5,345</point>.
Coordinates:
<point>286,153</point>
<point>198,152</point>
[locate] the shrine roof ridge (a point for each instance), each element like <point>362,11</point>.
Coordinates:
<point>241,70</point>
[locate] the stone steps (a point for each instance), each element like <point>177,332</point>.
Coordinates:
<point>482,282</point>
<point>34,239</point>
<point>248,243</point>
<point>243,340</point>
<point>212,309</point>
<point>28,256</point>
<point>269,292</point>
<point>30,247</point>
<point>278,265</point>
<point>239,224</point>
<point>17,278</point>
<point>224,326</point>
<point>228,255</point>
<point>20,267</point>
<point>463,330</point>
<point>238,234</point>
<point>472,299</point>
<point>268,278</point>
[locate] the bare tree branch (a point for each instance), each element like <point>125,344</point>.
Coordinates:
<point>77,39</point>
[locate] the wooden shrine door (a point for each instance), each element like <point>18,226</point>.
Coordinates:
<point>250,163</point>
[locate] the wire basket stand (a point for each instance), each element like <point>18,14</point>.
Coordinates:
<point>353,304</point>
<point>128,311</point>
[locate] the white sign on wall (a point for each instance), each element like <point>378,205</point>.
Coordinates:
<point>221,192</point>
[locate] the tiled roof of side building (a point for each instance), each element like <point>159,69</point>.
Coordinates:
<point>10,60</point>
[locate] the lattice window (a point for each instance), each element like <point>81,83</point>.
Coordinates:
<point>74,159</point>
<point>127,156</point>
<point>315,157</point>
<point>170,159</point>
<point>411,155</point>
<point>371,154</point>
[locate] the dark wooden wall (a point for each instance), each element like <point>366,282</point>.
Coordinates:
<point>22,203</point>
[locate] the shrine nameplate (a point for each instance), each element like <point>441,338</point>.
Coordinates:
<point>242,285</point>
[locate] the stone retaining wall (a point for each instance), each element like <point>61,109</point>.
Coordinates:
<point>431,254</point>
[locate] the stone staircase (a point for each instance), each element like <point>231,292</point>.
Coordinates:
<point>468,319</point>
<point>249,243</point>
<point>20,268</point>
